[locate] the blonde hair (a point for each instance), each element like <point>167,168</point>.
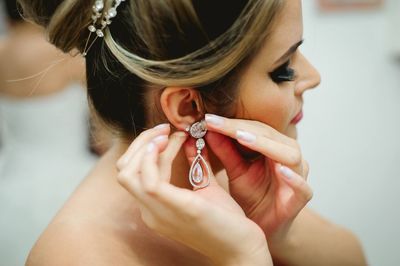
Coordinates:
<point>139,39</point>
<point>196,69</point>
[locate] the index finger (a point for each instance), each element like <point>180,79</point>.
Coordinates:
<point>258,137</point>
<point>230,126</point>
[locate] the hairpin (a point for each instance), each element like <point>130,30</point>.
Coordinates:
<point>105,21</point>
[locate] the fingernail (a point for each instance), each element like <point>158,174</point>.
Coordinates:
<point>286,172</point>
<point>245,136</point>
<point>161,126</point>
<point>159,139</point>
<point>214,120</point>
<point>150,147</point>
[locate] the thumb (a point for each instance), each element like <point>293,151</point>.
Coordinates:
<point>223,147</point>
<point>191,154</point>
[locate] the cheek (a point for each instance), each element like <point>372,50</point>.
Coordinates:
<point>267,103</point>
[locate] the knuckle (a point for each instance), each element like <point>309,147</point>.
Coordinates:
<point>149,220</point>
<point>259,124</point>
<point>166,158</point>
<point>143,133</point>
<point>295,158</point>
<point>123,178</point>
<point>195,211</point>
<point>150,189</point>
<point>309,195</point>
<point>120,163</point>
<point>295,144</point>
<point>306,192</point>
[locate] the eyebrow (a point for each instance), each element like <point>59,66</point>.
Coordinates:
<point>290,51</point>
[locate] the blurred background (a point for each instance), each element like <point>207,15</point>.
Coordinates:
<point>349,135</point>
<point>48,139</point>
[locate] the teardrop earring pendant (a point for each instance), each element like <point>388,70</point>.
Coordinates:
<point>199,173</point>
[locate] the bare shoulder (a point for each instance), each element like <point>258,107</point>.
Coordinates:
<point>101,225</point>
<point>94,227</point>
<point>69,244</point>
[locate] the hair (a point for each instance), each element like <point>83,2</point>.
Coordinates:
<point>11,10</point>
<point>153,44</point>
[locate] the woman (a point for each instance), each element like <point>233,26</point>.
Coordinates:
<point>171,64</point>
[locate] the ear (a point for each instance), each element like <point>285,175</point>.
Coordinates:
<point>182,106</point>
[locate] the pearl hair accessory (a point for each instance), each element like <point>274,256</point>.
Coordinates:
<point>105,20</point>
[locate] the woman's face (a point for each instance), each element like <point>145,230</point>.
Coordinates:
<point>269,91</point>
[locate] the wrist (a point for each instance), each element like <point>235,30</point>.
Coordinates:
<point>283,243</point>
<point>258,257</point>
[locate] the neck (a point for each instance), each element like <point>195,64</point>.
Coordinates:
<point>20,28</point>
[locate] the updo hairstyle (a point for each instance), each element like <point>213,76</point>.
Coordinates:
<point>153,44</point>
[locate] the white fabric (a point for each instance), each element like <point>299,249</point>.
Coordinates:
<point>43,157</point>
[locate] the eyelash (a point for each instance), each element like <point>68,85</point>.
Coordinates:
<point>283,73</point>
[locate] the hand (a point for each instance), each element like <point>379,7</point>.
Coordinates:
<point>207,220</point>
<point>268,196</point>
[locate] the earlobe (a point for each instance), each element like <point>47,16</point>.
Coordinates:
<point>181,106</point>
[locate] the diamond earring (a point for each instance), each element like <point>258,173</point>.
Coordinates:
<point>199,174</point>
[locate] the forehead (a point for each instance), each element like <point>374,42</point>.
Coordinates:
<point>286,31</point>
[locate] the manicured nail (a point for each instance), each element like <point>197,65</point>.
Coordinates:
<point>161,126</point>
<point>246,136</point>
<point>150,147</point>
<point>286,172</point>
<point>159,139</point>
<point>214,120</point>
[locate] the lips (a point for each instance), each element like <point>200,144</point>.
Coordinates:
<point>297,118</point>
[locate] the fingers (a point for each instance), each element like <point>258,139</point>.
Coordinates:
<point>132,170</point>
<point>302,192</point>
<point>163,195</point>
<point>144,137</point>
<point>229,127</point>
<point>132,167</point>
<point>141,175</point>
<point>227,153</point>
<point>142,178</point>
<point>259,137</point>
<point>149,174</point>
<point>166,158</point>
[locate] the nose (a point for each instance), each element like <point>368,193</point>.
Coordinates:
<point>308,78</point>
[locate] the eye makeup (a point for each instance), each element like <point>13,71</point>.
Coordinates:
<point>283,73</point>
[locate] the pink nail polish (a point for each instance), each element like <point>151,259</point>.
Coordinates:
<point>286,172</point>
<point>159,139</point>
<point>150,147</point>
<point>161,126</point>
<point>214,120</point>
<point>246,136</point>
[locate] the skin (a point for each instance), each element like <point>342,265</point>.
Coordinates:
<point>27,74</point>
<point>263,100</point>
<point>146,198</point>
<point>272,135</point>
